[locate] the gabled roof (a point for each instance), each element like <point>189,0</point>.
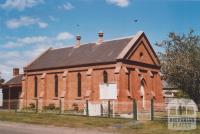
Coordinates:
<point>133,45</point>
<point>87,54</point>
<point>90,53</point>
<point>15,81</point>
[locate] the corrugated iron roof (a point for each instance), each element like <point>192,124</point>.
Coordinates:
<point>17,80</point>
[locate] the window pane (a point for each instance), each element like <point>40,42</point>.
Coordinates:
<point>36,85</point>
<point>79,85</point>
<point>56,86</point>
<point>105,77</point>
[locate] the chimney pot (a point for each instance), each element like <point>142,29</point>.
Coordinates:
<point>100,34</point>
<point>100,40</point>
<point>78,41</point>
<point>15,72</point>
<point>78,37</point>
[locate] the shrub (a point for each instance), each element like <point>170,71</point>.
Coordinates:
<point>51,106</point>
<point>32,105</point>
<point>75,106</point>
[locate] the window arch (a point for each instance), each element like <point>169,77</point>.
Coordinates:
<point>35,86</point>
<point>105,77</point>
<point>79,84</point>
<point>56,85</point>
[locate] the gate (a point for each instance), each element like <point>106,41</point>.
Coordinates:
<point>144,110</point>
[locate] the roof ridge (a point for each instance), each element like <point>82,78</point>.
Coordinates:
<point>89,43</point>
<point>16,76</point>
<point>120,38</point>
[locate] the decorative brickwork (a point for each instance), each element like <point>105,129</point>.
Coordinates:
<point>136,67</point>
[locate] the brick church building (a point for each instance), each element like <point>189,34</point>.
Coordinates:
<point>75,73</point>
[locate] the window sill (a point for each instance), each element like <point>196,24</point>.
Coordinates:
<point>56,98</point>
<point>78,98</point>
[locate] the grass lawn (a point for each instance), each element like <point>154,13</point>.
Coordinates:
<point>126,126</point>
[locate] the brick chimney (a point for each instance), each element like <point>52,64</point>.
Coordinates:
<point>100,40</point>
<point>78,41</point>
<point>15,72</point>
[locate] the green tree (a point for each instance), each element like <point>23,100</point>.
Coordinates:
<point>181,62</point>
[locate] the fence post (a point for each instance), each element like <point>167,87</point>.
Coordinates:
<point>108,108</point>
<point>152,109</point>
<point>101,110</point>
<point>180,110</point>
<point>36,110</point>
<point>87,109</point>
<point>16,106</point>
<point>60,111</point>
<point>134,109</point>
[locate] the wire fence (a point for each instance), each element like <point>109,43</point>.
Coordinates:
<point>138,110</point>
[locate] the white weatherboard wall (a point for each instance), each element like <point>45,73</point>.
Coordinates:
<point>108,91</point>
<point>1,98</point>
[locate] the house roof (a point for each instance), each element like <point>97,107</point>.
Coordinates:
<point>17,80</point>
<point>87,54</point>
<point>166,85</point>
<point>90,53</point>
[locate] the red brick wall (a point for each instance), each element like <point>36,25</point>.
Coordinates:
<point>91,82</point>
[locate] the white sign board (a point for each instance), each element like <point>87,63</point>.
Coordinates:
<point>108,91</point>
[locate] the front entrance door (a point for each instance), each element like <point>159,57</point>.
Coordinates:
<point>142,91</point>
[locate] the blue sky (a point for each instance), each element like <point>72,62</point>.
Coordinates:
<point>29,27</point>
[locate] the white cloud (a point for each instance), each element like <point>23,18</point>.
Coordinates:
<point>120,3</point>
<point>21,51</point>
<point>20,4</point>
<point>66,6</point>
<point>52,18</point>
<point>64,36</point>
<point>25,21</point>
<point>35,40</point>
<point>42,24</point>
<point>20,42</point>
<point>5,71</point>
<point>10,54</point>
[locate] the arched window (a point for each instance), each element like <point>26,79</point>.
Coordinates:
<point>142,93</point>
<point>129,80</point>
<point>35,86</point>
<point>105,77</point>
<point>79,84</point>
<point>56,85</point>
<point>141,55</point>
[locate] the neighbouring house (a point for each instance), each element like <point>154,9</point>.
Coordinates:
<point>1,98</point>
<point>76,72</point>
<point>12,90</point>
<point>1,95</point>
<point>172,92</point>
